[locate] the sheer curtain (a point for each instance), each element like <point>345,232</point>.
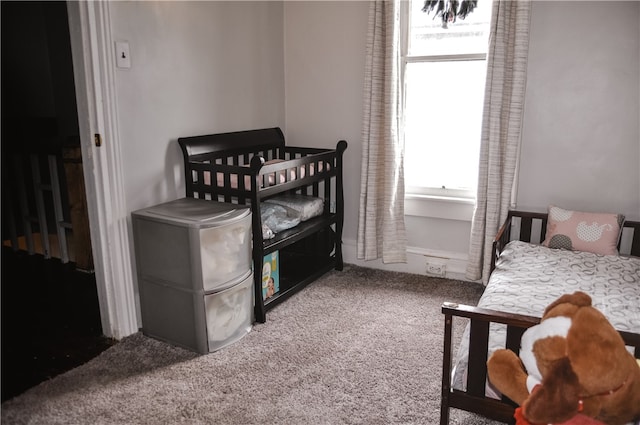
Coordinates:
<point>501,128</point>
<point>381,229</point>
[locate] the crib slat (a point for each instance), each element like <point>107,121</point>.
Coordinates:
<point>478,345</point>
<point>525,229</point>
<point>543,230</point>
<point>514,335</point>
<point>446,369</point>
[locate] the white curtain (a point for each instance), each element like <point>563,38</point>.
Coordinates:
<point>381,229</point>
<point>501,128</point>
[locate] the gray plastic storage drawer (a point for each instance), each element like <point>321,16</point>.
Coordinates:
<point>193,260</point>
<point>200,321</point>
<point>193,243</point>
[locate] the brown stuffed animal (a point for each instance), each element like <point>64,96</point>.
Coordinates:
<point>574,363</point>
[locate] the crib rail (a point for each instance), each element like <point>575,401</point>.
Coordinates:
<point>231,179</point>
<point>532,227</point>
<point>474,398</point>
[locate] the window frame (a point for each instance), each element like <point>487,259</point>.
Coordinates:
<point>422,200</point>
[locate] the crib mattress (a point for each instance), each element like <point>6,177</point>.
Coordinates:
<point>528,277</point>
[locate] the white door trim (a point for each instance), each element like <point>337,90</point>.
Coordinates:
<point>94,67</point>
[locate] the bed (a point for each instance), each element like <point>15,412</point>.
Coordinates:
<point>525,278</point>
<point>295,195</point>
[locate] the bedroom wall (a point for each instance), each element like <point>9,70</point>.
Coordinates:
<point>324,44</point>
<point>196,68</point>
<point>324,72</point>
<point>580,136</point>
<point>581,145</point>
<point>200,67</point>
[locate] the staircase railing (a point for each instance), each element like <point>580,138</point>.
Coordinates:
<point>41,215</point>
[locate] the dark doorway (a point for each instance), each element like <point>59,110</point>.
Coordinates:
<point>50,312</point>
<point>50,320</point>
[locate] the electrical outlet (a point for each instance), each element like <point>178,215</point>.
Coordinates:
<point>436,269</point>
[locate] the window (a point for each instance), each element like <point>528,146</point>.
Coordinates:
<point>444,76</point>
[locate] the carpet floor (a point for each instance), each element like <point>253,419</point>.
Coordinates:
<point>357,346</point>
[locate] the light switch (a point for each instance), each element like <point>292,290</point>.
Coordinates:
<point>123,58</point>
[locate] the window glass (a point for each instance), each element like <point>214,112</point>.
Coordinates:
<point>443,118</point>
<point>444,78</point>
<point>468,35</point>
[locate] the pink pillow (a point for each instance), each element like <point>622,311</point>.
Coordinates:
<point>583,231</point>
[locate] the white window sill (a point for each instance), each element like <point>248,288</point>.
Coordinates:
<point>433,206</point>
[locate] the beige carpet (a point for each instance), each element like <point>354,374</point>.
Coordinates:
<point>359,346</point>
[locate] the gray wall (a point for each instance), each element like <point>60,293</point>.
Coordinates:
<point>325,45</point>
<point>196,68</point>
<point>580,143</point>
<point>205,67</point>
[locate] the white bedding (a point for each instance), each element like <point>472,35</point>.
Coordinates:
<point>286,211</point>
<point>529,277</point>
<point>306,206</point>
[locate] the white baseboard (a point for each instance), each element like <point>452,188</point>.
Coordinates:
<point>417,258</point>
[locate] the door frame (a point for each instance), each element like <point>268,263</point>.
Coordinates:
<point>94,73</point>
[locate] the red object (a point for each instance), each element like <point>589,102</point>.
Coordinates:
<point>578,419</point>
<point>520,419</point>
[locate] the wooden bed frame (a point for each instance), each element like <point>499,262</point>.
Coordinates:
<point>474,399</point>
<point>239,159</point>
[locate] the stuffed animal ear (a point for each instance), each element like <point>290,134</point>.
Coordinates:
<point>556,400</point>
<point>578,299</point>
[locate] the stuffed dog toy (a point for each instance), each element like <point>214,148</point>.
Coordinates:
<point>573,367</point>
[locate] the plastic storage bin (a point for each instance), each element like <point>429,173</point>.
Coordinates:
<point>193,243</point>
<point>193,261</point>
<point>200,321</point>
